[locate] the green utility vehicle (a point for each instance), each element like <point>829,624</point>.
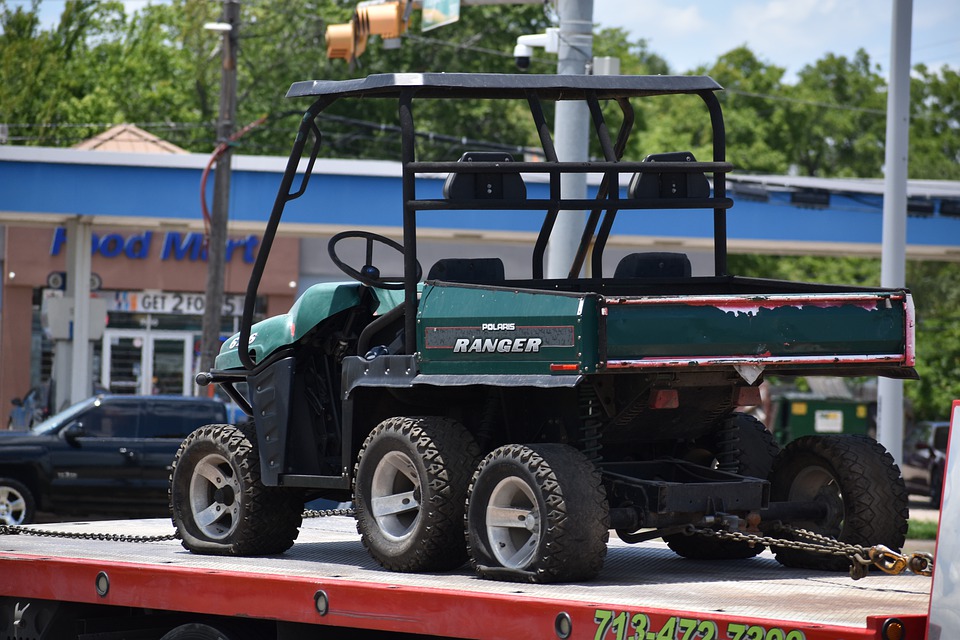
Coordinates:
<point>515,422</point>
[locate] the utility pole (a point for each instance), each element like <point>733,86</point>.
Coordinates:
<point>894,244</point>
<point>570,131</point>
<point>217,246</point>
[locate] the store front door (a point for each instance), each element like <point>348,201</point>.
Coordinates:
<point>145,362</point>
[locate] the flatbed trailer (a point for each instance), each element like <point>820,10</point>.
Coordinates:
<point>327,586</point>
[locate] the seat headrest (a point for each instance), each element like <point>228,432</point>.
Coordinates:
<point>653,264</point>
<point>470,270</point>
<point>666,184</point>
<point>484,186</point>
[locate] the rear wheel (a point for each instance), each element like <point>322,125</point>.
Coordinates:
<point>218,502</point>
<point>411,484</point>
<point>537,514</point>
<point>214,631</point>
<point>744,446</point>
<point>859,485</point>
<point>17,505</point>
<point>936,487</point>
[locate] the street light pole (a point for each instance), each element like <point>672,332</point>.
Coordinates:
<point>570,131</point>
<point>894,243</point>
<point>217,245</point>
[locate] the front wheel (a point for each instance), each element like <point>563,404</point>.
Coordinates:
<point>537,514</point>
<point>857,483</point>
<point>936,487</point>
<point>17,505</point>
<point>218,502</point>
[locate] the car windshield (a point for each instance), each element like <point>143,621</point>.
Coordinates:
<point>58,419</point>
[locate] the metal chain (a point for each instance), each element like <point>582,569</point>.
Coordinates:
<point>74,535</point>
<point>860,557</point>
<point>309,513</point>
<point>12,530</point>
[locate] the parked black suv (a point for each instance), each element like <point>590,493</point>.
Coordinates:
<point>109,454</point>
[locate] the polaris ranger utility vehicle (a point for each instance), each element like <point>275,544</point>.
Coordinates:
<point>515,422</point>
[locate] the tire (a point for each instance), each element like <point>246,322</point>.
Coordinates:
<point>936,486</point>
<point>411,483</point>
<point>744,446</point>
<point>17,505</point>
<point>537,513</point>
<point>218,503</point>
<point>859,483</point>
<point>200,631</point>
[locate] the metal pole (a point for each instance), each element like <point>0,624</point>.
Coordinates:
<point>894,245</point>
<point>79,238</point>
<point>216,251</point>
<point>570,131</point>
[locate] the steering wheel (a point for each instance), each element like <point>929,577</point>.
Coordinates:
<point>368,274</point>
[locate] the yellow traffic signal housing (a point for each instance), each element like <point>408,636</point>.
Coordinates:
<point>348,40</point>
<point>385,20</point>
<point>340,41</point>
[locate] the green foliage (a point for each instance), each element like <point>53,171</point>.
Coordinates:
<point>922,529</point>
<point>837,123</point>
<point>934,132</point>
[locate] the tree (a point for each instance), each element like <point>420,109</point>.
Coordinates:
<point>935,124</point>
<point>836,118</point>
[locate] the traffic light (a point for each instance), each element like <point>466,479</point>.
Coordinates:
<point>345,41</point>
<point>388,20</point>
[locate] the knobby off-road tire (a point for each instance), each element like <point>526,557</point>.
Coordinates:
<point>744,446</point>
<point>858,482</point>
<point>17,504</point>
<point>537,513</point>
<point>411,483</point>
<point>219,504</point>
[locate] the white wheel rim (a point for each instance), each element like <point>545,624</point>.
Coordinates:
<point>395,496</point>
<point>215,497</point>
<point>513,523</point>
<point>13,507</point>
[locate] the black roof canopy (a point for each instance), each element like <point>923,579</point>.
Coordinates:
<point>502,85</point>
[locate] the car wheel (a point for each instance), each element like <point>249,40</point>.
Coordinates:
<point>218,502</point>
<point>742,445</point>
<point>936,487</point>
<point>201,631</point>
<point>17,505</point>
<point>411,485</point>
<point>858,482</point>
<point>537,514</point>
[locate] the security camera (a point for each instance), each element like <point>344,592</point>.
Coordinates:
<point>522,54</point>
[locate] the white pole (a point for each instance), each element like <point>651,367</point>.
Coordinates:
<point>894,246</point>
<point>79,238</point>
<point>570,131</point>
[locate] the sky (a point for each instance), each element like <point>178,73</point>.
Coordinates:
<point>786,33</point>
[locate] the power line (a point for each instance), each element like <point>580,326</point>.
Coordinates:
<point>812,103</point>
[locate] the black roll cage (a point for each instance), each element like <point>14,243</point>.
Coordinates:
<point>535,89</point>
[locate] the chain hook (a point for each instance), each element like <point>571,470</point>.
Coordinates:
<point>887,560</point>
<point>921,564</point>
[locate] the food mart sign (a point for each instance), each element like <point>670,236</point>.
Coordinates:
<point>173,245</point>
